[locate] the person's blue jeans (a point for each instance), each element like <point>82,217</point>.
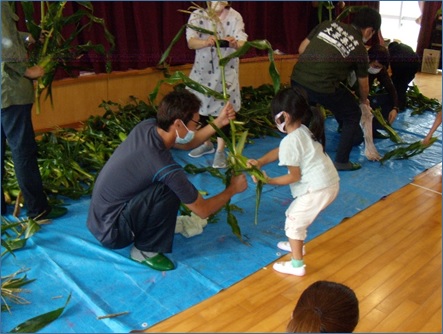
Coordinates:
<point>18,132</point>
<point>148,220</point>
<point>346,111</point>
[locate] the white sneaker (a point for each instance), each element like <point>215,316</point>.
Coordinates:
<point>284,245</point>
<point>287,268</point>
<point>202,150</point>
<point>220,160</point>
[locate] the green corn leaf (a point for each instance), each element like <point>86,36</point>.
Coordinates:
<point>258,192</point>
<point>393,135</point>
<point>241,143</point>
<point>406,150</point>
<point>174,41</point>
<point>232,221</point>
<point>348,10</point>
<point>261,45</point>
<point>179,77</point>
<point>14,244</point>
<point>31,228</point>
<point>35,324</point>
<point>177,38</point>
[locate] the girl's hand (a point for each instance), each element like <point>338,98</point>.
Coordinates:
<point>265,176</point>
<point>253,162</point>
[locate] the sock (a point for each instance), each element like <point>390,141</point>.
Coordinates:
<point>297,263</point>
<point>138,255</point>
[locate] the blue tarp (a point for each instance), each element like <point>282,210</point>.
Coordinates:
<point>65,258</point>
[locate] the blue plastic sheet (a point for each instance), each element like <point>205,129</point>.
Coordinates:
<point>65,258</point>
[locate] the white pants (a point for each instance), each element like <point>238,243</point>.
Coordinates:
<point>304,209</point>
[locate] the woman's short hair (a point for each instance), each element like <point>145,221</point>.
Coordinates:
<point>325,307</point>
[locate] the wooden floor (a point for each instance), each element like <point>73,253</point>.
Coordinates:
<point>389,254</point>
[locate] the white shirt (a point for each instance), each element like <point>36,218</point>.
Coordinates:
<point>317,169</point>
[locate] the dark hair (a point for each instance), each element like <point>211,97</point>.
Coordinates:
<point>294,101</point>
<point>367,17</point>
<point>178,104</point>
<point>380,53</point>
<point>325,307</point>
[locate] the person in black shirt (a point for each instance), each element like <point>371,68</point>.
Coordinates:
<point>405,63</point>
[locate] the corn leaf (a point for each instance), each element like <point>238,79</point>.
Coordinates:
<point>261,45</point>
<point>35,324</point>
<point>406,150</point>
<point>179,77</point>
<point>393,135</point>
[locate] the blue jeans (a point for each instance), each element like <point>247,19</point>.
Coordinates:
<point>346,111</point>
<point>18,131</point>
<point>148,220</point>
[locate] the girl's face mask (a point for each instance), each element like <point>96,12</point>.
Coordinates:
<point>280,122</point>
<point>188,137</point>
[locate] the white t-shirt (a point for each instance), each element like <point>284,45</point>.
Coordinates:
<point>317,169</point>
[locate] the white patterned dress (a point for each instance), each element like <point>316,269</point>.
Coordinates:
<point>206,70</point>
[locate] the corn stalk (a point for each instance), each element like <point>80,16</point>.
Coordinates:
<point>406,150</point>
<point>237,163</point>
<point>393,135</point>
<point>420,103</point>
<point>57,50</point>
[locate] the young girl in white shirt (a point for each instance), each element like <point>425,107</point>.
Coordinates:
<point>312,177</point>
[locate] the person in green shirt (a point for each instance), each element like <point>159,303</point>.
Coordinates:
<point>17,128</point>
<point>329,54</point>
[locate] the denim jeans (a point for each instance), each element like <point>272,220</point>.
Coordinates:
<point>18,132</point>
<point>346,111</point>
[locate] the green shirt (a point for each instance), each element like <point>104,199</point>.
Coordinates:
<point>16,89</point>
<point>334,51</point>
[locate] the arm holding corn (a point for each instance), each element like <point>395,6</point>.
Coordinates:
<point>294,174</point>
<point>434,127</point>
<point>203,134</point>
<point>34,72</point>
<point>205,207</point>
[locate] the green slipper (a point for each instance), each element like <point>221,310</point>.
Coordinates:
<point>158,262</point>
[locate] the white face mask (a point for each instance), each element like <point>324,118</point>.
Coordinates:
<point>280,125</point>
<point>374,70</point>
<point>188,137</point>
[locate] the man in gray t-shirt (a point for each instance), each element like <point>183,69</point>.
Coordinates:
<point>138,192</point>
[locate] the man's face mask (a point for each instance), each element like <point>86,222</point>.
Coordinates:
<point>280,122</point>
<point>374,70</point>
<point>188,137</point>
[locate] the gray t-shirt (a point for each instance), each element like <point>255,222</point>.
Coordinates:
<point>139,161</point>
